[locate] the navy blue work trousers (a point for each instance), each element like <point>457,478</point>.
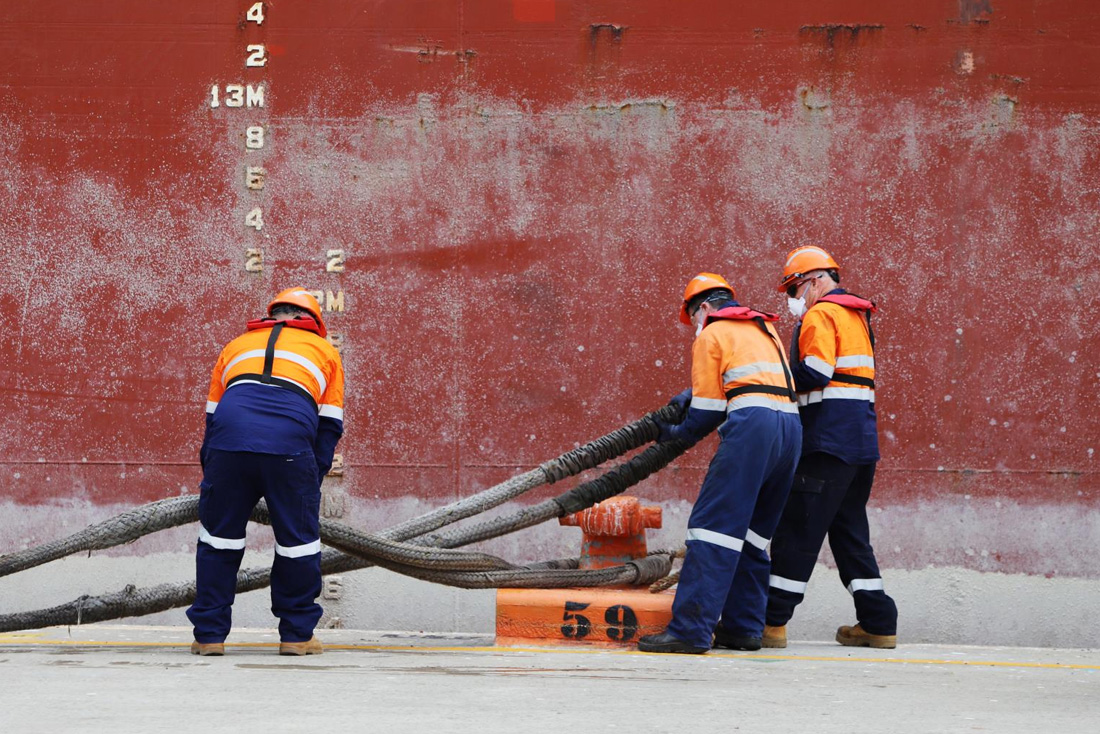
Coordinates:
<point>233,482</point>
<point>829,497</point>
<point>725,572</point>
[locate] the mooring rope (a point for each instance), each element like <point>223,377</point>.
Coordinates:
<point>175,511</point>
<point>673,577</point>
<point>581,497</point>
<point>132,601</point>
<point>124,528</point>
<point>592,454</point>
<point>362,549</point>
<point>640,571</point>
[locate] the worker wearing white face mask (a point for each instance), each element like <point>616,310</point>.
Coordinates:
<point>832,360</point>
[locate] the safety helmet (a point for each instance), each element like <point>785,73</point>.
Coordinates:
<point>304,300</point>
<point>701,283</point>
<point>804,260</point>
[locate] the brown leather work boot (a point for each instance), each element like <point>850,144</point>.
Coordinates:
<point>312,646</point>
<point>858,637</point>
<point>207,648</point>
<point>774,636</point>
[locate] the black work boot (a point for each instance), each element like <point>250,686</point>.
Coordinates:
<point>730,641</point>
<point>667,642</point>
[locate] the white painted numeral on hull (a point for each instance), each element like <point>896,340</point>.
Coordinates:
<point>254,178</point>
<point>255,14</point>
<point>335,261</point>
<point>257,55</point>
<point>254,219</point>
<point>234,95</point>
<point>254,260</point>
<point>254,137</point>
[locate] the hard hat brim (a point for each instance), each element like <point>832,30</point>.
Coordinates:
<point>684,318</point>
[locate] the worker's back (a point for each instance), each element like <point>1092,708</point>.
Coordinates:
<point>279,417</point>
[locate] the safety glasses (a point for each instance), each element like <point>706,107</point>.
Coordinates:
<point>792,290</point>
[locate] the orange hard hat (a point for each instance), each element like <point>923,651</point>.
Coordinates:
<point>701,283</point>
<point>304,300</point>
<point>804,260</point>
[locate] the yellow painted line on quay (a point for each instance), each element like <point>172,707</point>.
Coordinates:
<point>12,640</point>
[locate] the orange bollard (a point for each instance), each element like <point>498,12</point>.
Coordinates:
<point>604,617</point>
<point>614,533</point>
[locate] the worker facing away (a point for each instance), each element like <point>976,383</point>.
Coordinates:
<point>273,417</point>
<point>832,358</point>
<point>741,385</point>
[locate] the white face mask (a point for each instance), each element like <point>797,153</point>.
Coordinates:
<point>702,319</point>
<point>797,306</point>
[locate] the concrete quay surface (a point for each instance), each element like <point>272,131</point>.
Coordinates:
<point>143,679</point>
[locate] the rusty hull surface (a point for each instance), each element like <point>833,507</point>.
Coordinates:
<point>521,189</point>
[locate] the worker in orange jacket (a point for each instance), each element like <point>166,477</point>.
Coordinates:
<point>833,361</point>
<point>741,385</point>
<point>274,413</point>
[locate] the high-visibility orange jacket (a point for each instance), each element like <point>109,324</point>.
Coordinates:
<point>834,372</point>
<point>277,389</point>
<point>738,363</point>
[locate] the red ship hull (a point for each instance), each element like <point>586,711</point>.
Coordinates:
<point>520,189</point>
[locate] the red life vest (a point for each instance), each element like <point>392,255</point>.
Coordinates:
<point>849,300</point>
<point>740,312</point>
<point>267,322</point>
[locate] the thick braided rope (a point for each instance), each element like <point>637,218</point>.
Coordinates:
<point>582,496</point>
<point>167,513</point>
<point>641,571</point>
<point>124,528</point>
<point>135,602</point>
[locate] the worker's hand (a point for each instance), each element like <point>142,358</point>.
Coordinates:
<point>681,401</point>
<point>666,432</point>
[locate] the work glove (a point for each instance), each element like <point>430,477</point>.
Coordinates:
<point>681,401</point>
<point>665,431</point>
